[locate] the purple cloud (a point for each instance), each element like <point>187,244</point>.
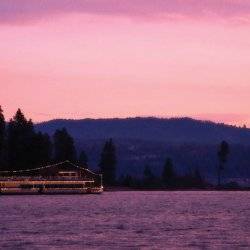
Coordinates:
<point>29,10</point>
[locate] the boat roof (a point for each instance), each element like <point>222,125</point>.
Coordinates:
<point>47,167</point>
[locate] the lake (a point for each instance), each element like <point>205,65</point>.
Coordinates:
<point>127,220</point>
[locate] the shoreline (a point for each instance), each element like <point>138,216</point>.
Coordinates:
<point>120,189</point>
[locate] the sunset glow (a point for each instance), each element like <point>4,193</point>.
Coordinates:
<point>79,59</point>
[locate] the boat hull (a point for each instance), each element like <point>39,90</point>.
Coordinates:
<point>56,186</point>
<point>36,191</point>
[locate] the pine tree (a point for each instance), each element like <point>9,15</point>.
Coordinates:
<point>2,137</point>
<point>42,149</point>
<point>197,179</point>
<point>64,148</point>
<point>223,153</point>
<point>168,174</point>
<point>108,163</point>
<point>83,159</point>
<point>20,138</point>
<point>127,181</point>
<point>197,175</point>
<point>149,177</point>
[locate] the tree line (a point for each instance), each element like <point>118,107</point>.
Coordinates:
<point>21,147</point>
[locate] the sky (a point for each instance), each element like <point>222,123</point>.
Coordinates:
<point>124,58</point>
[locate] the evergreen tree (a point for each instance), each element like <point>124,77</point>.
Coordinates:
<point>127,181</point>
<point>83,159</point>
<point>64,148</point>
<point>168,174</point>
<point>108,163</point>
<point>148,177</point>
<point>191,179</point>
<point>42,149</point>
<point>223,153</point>
<point>20,138</point>
<point>2,137</point>
<point>197,176</point>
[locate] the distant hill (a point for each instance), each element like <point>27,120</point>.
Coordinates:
<point>172,131</point>
<point>140,141</point>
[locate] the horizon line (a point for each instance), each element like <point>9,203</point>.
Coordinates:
<point>145,117</point>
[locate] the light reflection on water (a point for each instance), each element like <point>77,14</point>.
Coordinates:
<point>126,220</point>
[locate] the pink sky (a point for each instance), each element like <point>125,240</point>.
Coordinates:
<point>120,58</point>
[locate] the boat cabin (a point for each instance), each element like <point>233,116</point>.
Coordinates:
<point>61,177</point>
<point>68,173</point>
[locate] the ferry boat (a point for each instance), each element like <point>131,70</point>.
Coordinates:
<point>60,178</point>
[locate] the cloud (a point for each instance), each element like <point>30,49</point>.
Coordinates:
<point>16,11</point>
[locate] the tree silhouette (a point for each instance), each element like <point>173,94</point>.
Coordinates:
<point>64,148</point>
<point>168,174</point>
<point>2,137</point>
<point>127,181</point>
<point>42,149</point>
<point>83,159</point>
<point>223,153</point>
<point>198,178</point>
<point>149,177</point>
<point>108,163</point>
<point>20,141</point>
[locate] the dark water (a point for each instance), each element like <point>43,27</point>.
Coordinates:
<point>127,220</point>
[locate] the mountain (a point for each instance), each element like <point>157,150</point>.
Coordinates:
<point>172,131</point>
<point>191,143</point>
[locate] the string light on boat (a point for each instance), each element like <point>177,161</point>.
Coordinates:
<point>45,167</point>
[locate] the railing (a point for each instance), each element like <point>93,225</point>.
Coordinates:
<point>41,178</point>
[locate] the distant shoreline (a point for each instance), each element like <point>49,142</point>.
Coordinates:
<point>119,189</point>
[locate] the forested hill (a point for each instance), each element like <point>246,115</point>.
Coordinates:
<point>171,131</point>
<point>148,141</point>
